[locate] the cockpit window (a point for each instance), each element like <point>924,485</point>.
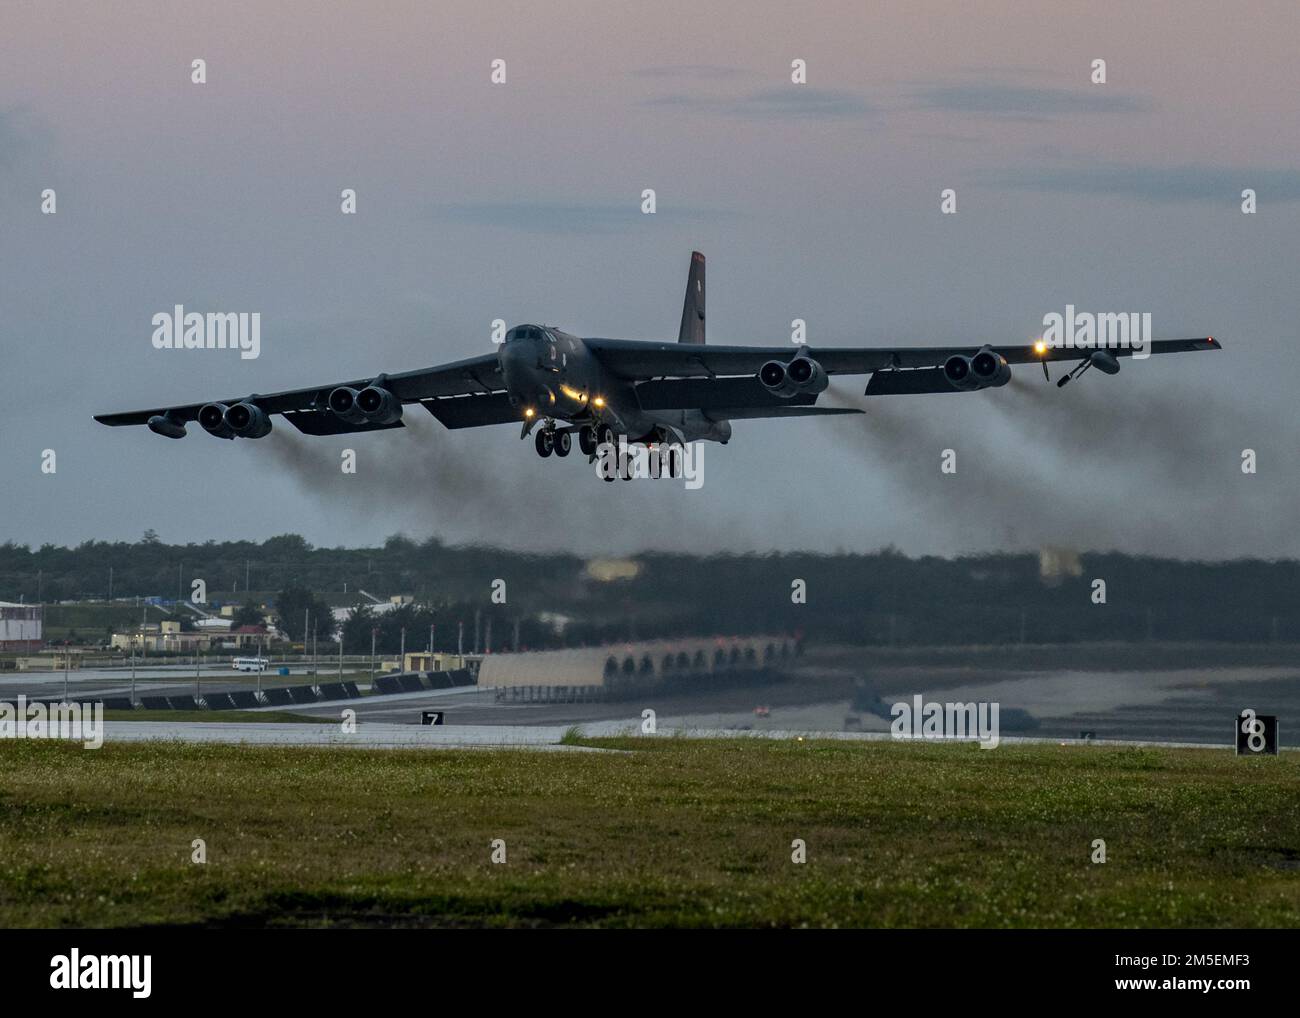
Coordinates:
<point>529,332</point>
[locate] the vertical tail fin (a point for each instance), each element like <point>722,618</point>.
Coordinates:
<point>692,330</point>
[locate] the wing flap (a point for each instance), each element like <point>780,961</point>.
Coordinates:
<point>455,412</point>
<point>758,413</point>
<point>322,422</point>
<point>711,393</point>
<point>912,382</point>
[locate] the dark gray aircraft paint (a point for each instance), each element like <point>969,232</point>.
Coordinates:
<point>600,389</point>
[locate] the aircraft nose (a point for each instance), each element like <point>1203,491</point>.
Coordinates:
<point>511,360</point>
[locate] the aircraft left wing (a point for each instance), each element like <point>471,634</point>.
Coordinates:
<point>308,409</point>
<point>638,360</point>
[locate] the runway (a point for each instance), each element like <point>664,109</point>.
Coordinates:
<point>1172,706</point>
<point>382,735</point>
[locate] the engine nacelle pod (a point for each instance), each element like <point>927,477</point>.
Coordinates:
<point>776,379</point>
<point>212,419</point>
<point>957,369</point>
<point>379,405</point>
<point>990,368</point>
<point>806,375</point>
<point>343,402</point>
<point>247,420</point>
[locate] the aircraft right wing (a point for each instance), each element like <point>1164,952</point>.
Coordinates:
<point>468,390</point>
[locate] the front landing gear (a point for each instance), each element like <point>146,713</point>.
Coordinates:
<point>552,440</point>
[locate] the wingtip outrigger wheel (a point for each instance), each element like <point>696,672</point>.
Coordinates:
<point>1078,369</point>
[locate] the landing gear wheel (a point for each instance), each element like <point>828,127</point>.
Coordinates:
<point>673,461</point>
<point>545,442</point>
<point>563,443</point>
<point>605,436</point>
<point>587,440</point>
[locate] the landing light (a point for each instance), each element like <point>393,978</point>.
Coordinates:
<point>529,413</point>
<point>574,394</point>
<point>1040,348</point>
<point>599,401</point>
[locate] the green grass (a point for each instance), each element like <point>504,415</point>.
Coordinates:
<point>573,736</point>
<point>674,832</point>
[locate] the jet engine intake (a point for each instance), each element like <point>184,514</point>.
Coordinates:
<point>378,406</point>
<point>776,379</point>
<point>957,369</point>
<point>212,419</point>
<point>343,402</point>
<point>248,420</point>
<point>990,368</point>
<point>806,375</point>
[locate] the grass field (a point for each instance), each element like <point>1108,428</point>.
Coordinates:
<point>658,832</point>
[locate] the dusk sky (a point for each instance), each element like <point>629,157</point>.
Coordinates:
<point>521,202</point>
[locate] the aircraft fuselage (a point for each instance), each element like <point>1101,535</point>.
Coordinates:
<point>552,376</point>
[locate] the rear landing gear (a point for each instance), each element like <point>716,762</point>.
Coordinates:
<point>587,440</point>
<point>563,443</point>
<point>545,442</point>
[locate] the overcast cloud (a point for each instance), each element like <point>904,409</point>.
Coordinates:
<point>521,202</point>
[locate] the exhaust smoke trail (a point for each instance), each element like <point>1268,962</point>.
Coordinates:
<point>1148,468</point>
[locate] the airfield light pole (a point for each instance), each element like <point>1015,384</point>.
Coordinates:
<point>374,632</point>
<point>67,657</point>
<point>340,655</point>
<point>401,655</point>
<point>133,674</point>
<point>306,627</point>
<point>196,672</point>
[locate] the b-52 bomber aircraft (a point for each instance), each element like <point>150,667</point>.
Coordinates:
<point>648,393</point>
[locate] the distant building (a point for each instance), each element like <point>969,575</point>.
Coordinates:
<point>375,606</point>
<point>635,669</point>
<point>20,626</point>
<point>423,661</point>
<point>166,637</point>
<point>1058,564</point>
<point>604,570</point>
<point>249,636</point>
